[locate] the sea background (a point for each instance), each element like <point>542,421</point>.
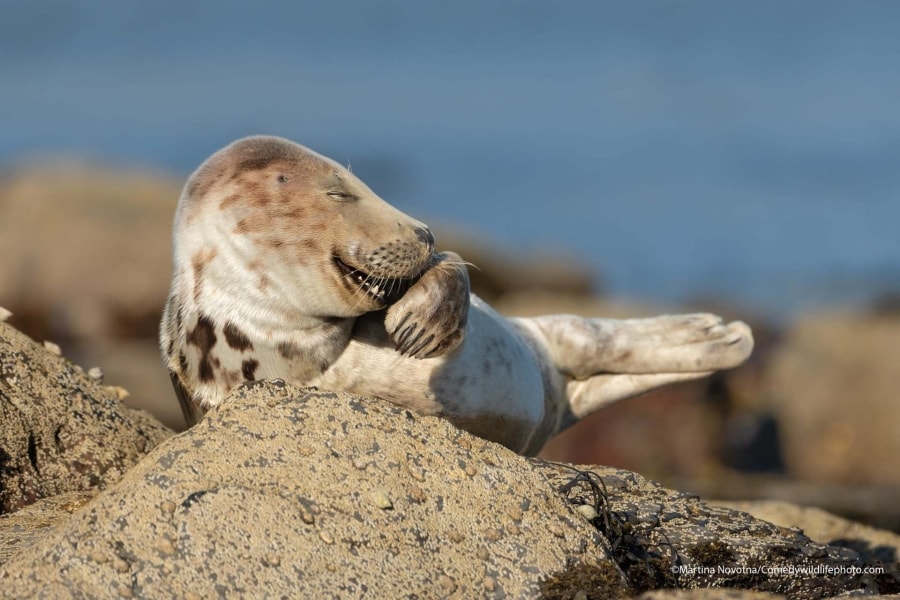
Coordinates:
<point>745,151</point>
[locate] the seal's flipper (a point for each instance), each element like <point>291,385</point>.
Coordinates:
<point>430,319</point>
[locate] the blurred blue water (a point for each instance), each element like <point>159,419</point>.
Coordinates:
<point>748,150</point>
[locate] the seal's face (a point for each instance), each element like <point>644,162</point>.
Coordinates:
<point>302,227</point>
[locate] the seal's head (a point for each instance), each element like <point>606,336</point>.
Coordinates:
<point>301,228</point>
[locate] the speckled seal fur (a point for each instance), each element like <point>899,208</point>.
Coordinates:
<point>288,266</point>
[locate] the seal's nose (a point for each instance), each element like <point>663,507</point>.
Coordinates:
<point>425,236</point>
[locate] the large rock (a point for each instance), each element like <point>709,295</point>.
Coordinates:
<point>834,389</point>
<point>59,430</point>
<point>317,494</point>
<point>708,594</point>
<point>825,528</point>
<point>667,539</point>
<point>305,493</point>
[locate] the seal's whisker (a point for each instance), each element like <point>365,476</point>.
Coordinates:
<point>458,263</point>
<point>360,293</point>
<point>395,286</point>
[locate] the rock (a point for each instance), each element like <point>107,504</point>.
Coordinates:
<point>136,365</point>
<point>833,388</point>
<point>281,492</point>
<point>59,430</point>
<point>666,539</point>
<point>825,528</point>
<point>306,493</point>
<point>22,528</point>
<point>708,594</point>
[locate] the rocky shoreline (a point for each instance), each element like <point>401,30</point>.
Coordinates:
<point>312,493</point>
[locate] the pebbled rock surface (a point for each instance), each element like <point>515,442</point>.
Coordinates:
<point>22,528</point>
<point>708,594</point>
<point>825,528</point>
<point>667,539</point>
<point>317,494</point>
<point>59,430</point>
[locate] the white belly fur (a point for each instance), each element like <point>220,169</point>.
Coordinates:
<point>494,376</point>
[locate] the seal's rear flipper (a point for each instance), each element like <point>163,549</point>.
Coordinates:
<point>587,396</point>
<point>606,360</point>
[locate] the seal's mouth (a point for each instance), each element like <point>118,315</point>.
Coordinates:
<point>383,290</point>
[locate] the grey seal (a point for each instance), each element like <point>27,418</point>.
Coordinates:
<point>287,266</point>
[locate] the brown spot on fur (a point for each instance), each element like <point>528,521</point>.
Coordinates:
<point>306,244</point>
<point>232,199</point>
<point>256,196</point>
<point>289,350</point>
<point>248,369</point>
<point>257,163</point>
<point>298,213</point>
<point>208,175</point>
<point>204,337</point>
<point>236,338</point>
<point>260,152</point>
<point>232,378</point>
<point>263,283</point>
<point>253,190</point>
<point>199,262</point>
<point>182,362</point>
<point>255,223</point>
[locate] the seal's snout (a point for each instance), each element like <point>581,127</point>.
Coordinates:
<point>425,236</point>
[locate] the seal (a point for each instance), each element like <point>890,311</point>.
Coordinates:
<point>288,266</point>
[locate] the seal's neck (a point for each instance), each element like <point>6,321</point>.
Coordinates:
<point>229,291</point>
<point>234,310</point>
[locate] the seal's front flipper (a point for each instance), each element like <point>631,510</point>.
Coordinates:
<point>430,319</point>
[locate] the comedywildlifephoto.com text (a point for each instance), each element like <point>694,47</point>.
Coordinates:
<point>776,570</point>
